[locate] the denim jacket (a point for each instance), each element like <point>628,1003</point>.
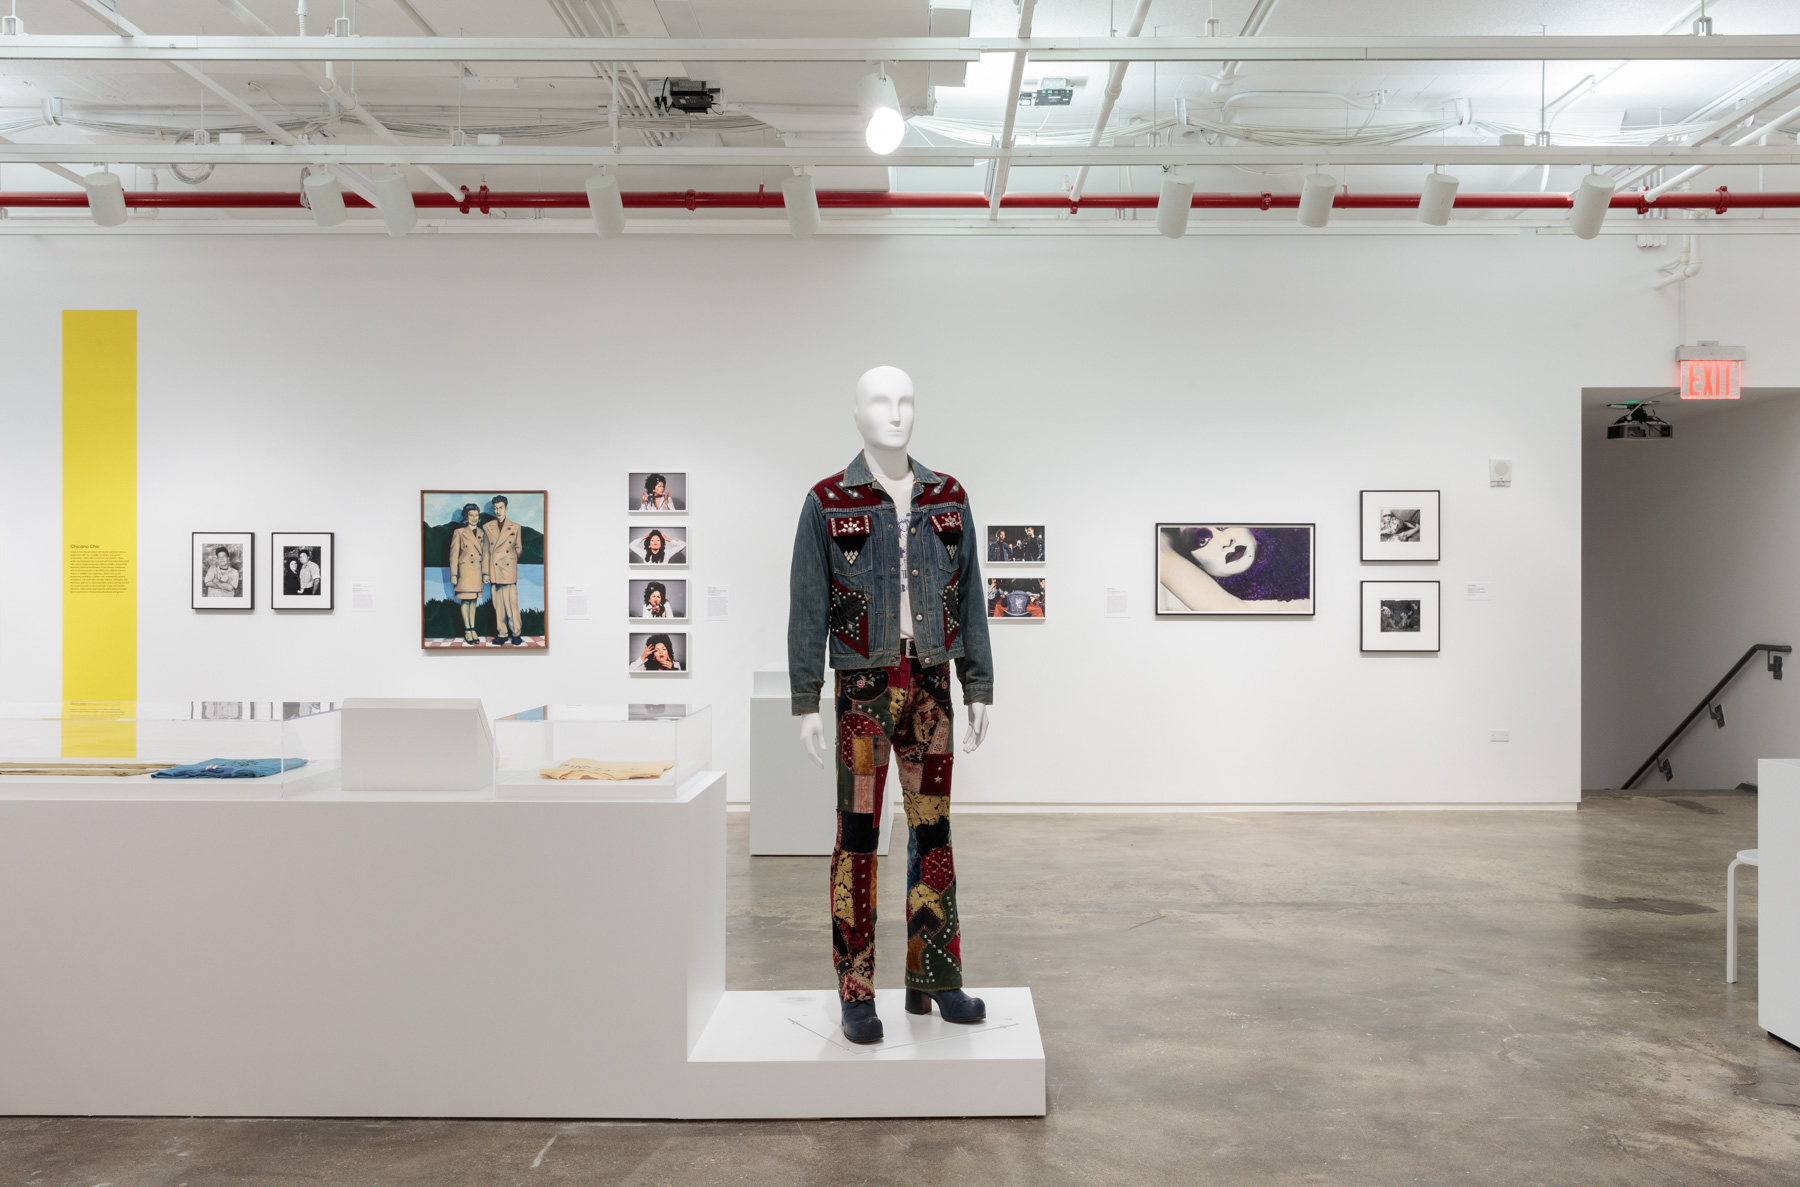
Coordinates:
<point>845,585</point>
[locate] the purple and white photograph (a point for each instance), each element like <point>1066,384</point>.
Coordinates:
<point>1223,569</point>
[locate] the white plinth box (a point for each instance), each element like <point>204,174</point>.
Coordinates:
<point>1778,897</point>
<point>416,745</point>
<point>793,804</point>
<point>415,954</point>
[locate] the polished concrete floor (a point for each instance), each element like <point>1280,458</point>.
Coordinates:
<point>1382,998</point>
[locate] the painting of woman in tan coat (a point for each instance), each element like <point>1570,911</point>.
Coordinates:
<point>469,568</point>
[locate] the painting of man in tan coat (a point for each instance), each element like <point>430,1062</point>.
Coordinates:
<point>484,571</point>
<point>505,544</point>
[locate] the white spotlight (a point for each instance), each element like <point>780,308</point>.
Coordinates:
<point>106,198</point>
<point>1436,199</point>
<point>394,196</point>
<point>1316,193</point>
<point>1174,204</point>
<point>879,102</point>
<point>606,204</point>
<point>1588,206</point>
<point>802,202</point>
<point>325,197</point>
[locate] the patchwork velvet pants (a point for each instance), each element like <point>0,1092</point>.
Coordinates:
<point>904,710</point>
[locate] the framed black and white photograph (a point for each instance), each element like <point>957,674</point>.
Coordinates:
<point>661,597</point>
<point>650,492</point>
<point>1021,599</point>
<point>657,545</point>
<point>1218,569</point>
<point>301,570</point>
<point>657,651</point>
<point>1015,544</point>
<point>224,571</point>
<point>1400,525</point>
<point>1400,615</point>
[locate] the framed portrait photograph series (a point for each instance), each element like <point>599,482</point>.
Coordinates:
<point>224,566</point>
<point>1016,598</point>
<point>301,570</point>
<point>1015,544</point>
<point>483,561</point>
<point>659,598</point>
<point>657,544</point>
<point>652,492</point>
<point>1401,525</point>
<point>657,651</point>
<point>1220,569</point>
<point>1400,615</point>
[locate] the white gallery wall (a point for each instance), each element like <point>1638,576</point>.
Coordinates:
<point>318,382</point>
<point>1692,555</point>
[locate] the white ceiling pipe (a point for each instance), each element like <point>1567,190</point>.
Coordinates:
<point>1762,102</point>
<point>106,198</point>
<point>1259,16</point>
<point>802,202</point>
<point>607,205</point>
<point>1437,199</point>
<point>326,199</point>
<point>1316,193</point>
<point>1115,86</point>
<point>1587,211</point>
<point>1174,204</point>
<point>393,197</point>
<point>1685,267</point>
<point>1751,137</point>
<point>1003,163</point>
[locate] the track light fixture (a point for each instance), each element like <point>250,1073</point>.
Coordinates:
<point>802,202</point>
<point>1588,205</point>
<point>1316,193</point>
<point>106,198</point>
<point>1436,199</point>
<point>606,204</point>
<point>1174,204</point>
<point>325,197</point>
<point>880,105</point>
<point>394,196</point>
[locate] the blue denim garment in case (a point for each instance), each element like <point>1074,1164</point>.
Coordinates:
<point>844,590</point>
<point>230,768</point>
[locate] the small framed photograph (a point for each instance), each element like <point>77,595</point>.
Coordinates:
<point>655,491</point>
<point>659,598</point>
<point>1017,598</point>
<point>1400,615</point>
<point>301,570</point>
<point>657,651</point>
<point>1217,569</point>
<point>224,572</point>
<point>657,545</point>
<point>1015,544</point>
<point>1400,525</point>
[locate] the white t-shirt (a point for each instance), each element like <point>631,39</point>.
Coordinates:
<point>900,490</point>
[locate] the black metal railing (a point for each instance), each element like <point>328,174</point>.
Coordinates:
<point>1708,702</point>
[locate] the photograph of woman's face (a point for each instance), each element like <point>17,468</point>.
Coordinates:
<point>654,600</point>
<point>1223,551</point>
<point>653,545</point>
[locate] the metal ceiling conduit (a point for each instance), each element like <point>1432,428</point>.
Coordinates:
<point>1718,201</point>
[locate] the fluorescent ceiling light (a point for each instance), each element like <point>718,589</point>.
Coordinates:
<point>802,202</point>
<point>325,197</point>
<point>394,196</point>
<point>106,198</point>
<point>1316,193</point>
<point>1174,204</point>
<point>1588,206</point>
<point>607,205</point>
<point>1436,199</point>
<point>879,102</point>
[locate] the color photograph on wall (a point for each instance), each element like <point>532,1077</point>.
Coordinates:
<point>657,545</point>
<point>1220,569</point>
<point>1016,598</point>
<point>1400,615</point>
<point>1400,525</point>
<point>484,569</point>
<point>660,651</point>
<point>301,573</point>
<point>223,574</point>
<point>651,491</point>
<point>1015,544</point>
<point>663,598</point>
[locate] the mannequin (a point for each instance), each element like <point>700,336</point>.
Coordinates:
<point>883,583</point>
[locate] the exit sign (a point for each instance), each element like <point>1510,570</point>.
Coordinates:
<point>1710,371</point>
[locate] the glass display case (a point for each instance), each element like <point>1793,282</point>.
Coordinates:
<point>640,751</point>
<point>141,747</point>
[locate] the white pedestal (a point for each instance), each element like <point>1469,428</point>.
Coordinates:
<point>416,745</point>
<point>1778,897</point>
<point>793,804</point>
<point>211,951</point>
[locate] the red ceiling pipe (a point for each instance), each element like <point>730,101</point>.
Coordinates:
<point>1718,200</point>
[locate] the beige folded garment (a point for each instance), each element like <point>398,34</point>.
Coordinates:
<point>84,768</point>
<point>593,768</point>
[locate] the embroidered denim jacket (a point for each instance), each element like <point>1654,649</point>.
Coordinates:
<point>845,585</point>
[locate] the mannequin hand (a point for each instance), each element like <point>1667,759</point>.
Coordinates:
<point>812,737</point>
<point>978,723</point>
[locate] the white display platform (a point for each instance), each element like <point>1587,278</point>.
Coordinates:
<point>210,951</point>
<point>1778,897</point>
<point>433,744</point>
<point>793,804</point>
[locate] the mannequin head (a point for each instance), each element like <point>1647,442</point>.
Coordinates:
<point>884,408</point>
